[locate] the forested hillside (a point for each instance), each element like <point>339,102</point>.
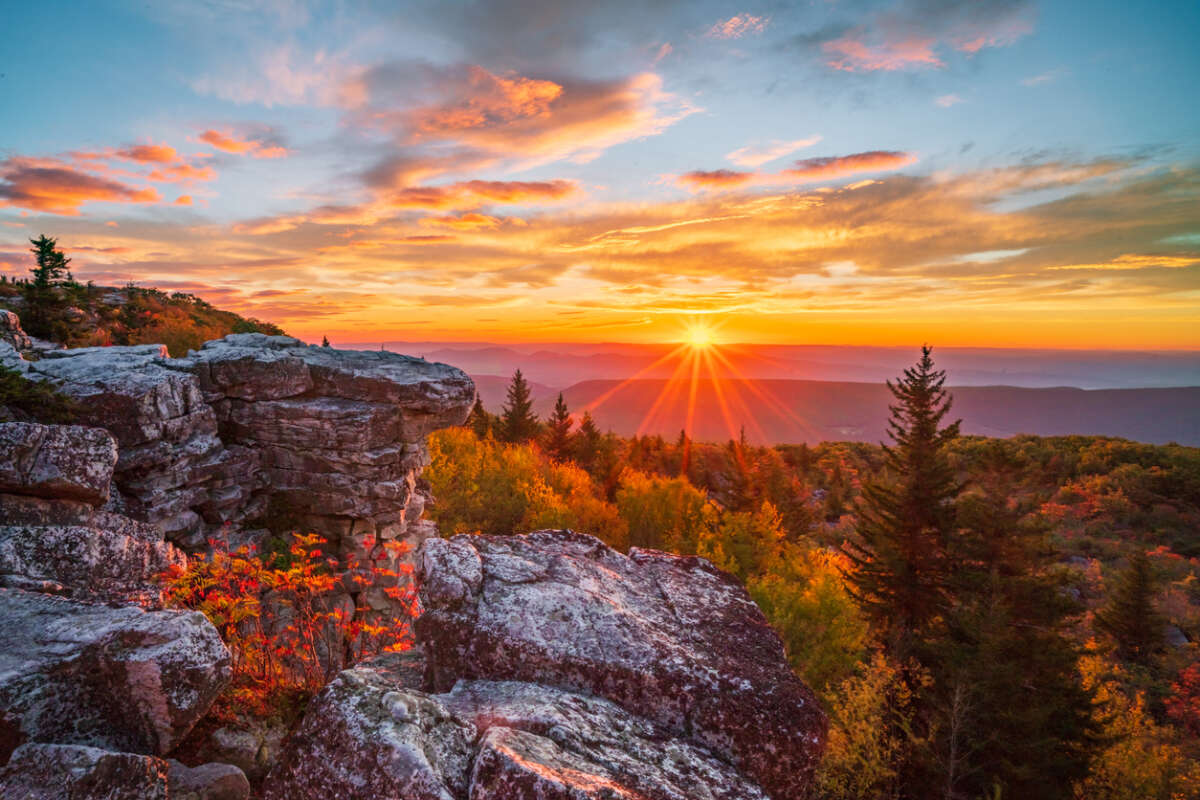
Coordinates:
<point>54,307</point>
<point>1058,654</point>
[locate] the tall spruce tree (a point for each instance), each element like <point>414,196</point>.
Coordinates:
<point>49,271</point>
<point>587,442</point>
<point>480,421</point>
<point>1130,617</point>
<point>899,562</point>
<point>1005,709</point>
<point>517,420</point>
<point>558,431</point>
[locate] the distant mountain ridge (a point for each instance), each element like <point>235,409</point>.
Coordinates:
<point>564,364</point>
<point>783,411</point>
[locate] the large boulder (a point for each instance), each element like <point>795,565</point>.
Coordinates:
<point>54,536</point>
<point>74,772</point>
<point>117,678</point>
<point>373,734</point>
<point>669,638</point>
<point>56,461</point>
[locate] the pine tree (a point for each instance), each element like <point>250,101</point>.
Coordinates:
<point>40,297</point>
<point>517,420</point>
<point>51,268</point>
<point>899,561</point>
<point>325,341</point>
<point>480,421</point>
<point>1130,617</point>
<point>558,431</point>
<point>1005,707</point>
<point>587,441</point>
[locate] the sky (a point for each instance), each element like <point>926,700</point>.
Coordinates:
<point>1001,173</point>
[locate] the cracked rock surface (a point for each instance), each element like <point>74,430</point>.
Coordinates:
<point>552,666</point>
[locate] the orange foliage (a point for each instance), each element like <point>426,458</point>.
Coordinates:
<point>289,621</point>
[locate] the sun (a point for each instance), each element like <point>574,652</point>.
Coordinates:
<point>700,336</point>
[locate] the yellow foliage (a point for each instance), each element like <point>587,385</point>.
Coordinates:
<point>1142,760</point>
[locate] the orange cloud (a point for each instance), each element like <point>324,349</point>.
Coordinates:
<point>715,179</point>
<point>852,54</point>
<point>514,117</point>
<point>48,185</point>
<point>471,194</point>
<point>182,172</point>
<point>463,222</point>
<point>486,100</point>
<point>149,153</point>
<point>738,26</point>
<point>183,200</point>
<point>810,169</point>
<point>805,171</point>
<point>229,143</point>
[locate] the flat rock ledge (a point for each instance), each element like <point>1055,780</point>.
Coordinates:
<point>552,666</point>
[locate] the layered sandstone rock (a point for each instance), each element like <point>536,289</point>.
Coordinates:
<point>264,431</point>
<point>116,678</point>
<point>56,461</point>
<point>552,666</point>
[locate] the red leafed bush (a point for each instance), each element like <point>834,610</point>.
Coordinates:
<point>1183,706</point>
<point>289,620</point>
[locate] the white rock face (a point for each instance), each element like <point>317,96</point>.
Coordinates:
<point>116,678</point>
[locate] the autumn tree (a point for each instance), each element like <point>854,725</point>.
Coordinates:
<point>1131,618</point>
<point>898,562</point>
<point>517,420</point>
<point>558,431</point>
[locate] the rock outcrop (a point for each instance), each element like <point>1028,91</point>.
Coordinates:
<point>73,772</point>
<point>56,461</point>
<point>256,431</point>
<point>55,534</point>
<point>669,637</point>
<point>12,333</point>
<point>121,679</point>
<point>552,666</point>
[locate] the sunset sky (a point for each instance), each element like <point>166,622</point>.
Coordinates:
<point>965,172</point>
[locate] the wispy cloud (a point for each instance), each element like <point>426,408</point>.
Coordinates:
<point>947,100</point>
<point>738,26</point>
<point>229,142</point>
<point>757,155</point>
<point>806,170</point>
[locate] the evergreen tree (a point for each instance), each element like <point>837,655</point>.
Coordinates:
<point>899,561</point>
<point>587,442</point>
<point>480,421</point>
<point>1130,617</point>
<point>49,272</point>
<point>1005,709</point>
<point>51,269</point>
<point>517,420</point>
<point>324,341</point>
<point>558,431</point>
